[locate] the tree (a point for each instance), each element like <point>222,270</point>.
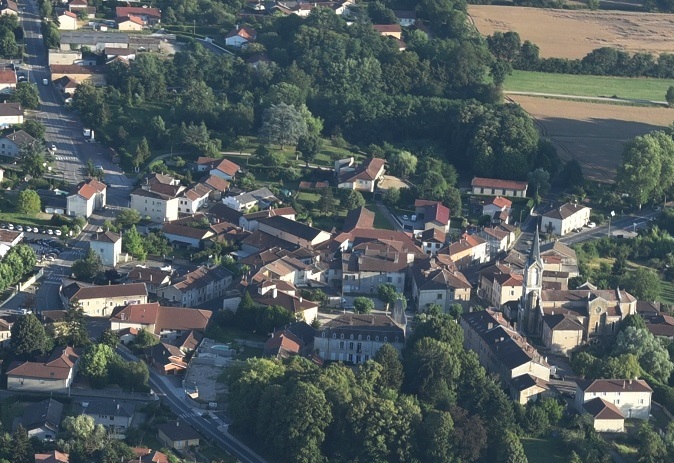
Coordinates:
<point>22,448</point>
<point>50,34</point>
<point>442,328</point>
<point>392,368</point>
<point>434,437</point>
<point>653,356</point>
<point>431,371</point>
<point>354,199</point>
<point>326,203</point>
<point>145,339</point>
<point>127,217</point>
<point>142,152</point>
<point>33,159</point>
<point>363,305</point>
<point>309,146</point>
<point>511,450</point>
<point>647,165</point>
<point>91,104</point>
<point>572,174</point>
<point>539,181</point>
<point>75,326</point>
<point>669,97</point>
<point>95,362</point>
<point>108,338</point>
<point>388,294</point>
<point>282,124</point>
<point>34,128</point>
<point>27,94</point>
<point>29,339</point>
<point>644,283</point>
<point>29,202</point>
<point>403,163</point>
<point>88,268</point>
<point>133,244</point>
<point>499,70</point>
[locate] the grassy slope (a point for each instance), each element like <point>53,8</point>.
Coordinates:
<point>567,84</point>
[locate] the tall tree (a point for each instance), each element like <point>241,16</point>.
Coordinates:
<point>403,163</point>
<point>29,339</point>
<point>75,326</point>
<point>134,245</point>
<point>669,96</point>
<point>388,294</point>
<point>29,202</point>
<point>88,268</point>
<point>326,203</point>
<point>34,128</point>
<point>308,146</point>
<point>392,368</point>
<point>26,93</point>
<point>95,364</point>
<point>282,124</point>
<point>33,159</point>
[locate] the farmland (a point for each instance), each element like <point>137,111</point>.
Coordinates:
<point>599,86</point>
<point>593,133</point>
<point>575,33</point>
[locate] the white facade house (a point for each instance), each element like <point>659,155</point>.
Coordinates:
<point>85,198</point>
<point>262,198</point>
<point>11,144</point>
<point>565,218</point>
<point>196,287</point>
<point>100,301</point>
<point>115,417</point>
<point>224,169</point>
<point>56,374</point>
<point>240,36</point>
<point>498,187</point>
<point>11,114</point>
<point>194,199</point>
<point>67,21</point>
<point>108,246</point>
<point>631,396</point>
<point>356,338</point>
<point>158,198</point>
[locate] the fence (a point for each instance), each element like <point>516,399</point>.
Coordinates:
<point>29,282</point>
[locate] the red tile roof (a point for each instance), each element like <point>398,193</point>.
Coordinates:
<point>481,182</point>
<point>500,201</point>
<point>228,167</point>
<point>123,11</point>
<point>7,76</point>
<point>244,32</point>
<point>383,28</point>
<point>70,14</point>
<point>58,366</point>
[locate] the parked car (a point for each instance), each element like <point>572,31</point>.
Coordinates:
<point>591,225</point>
<point>52,147</point>
<point>405,217</point>
<point>50,232</point>
<point>29,229</point>
<point>10,226</point>
<point>19,228</point>
<point>58,232</point>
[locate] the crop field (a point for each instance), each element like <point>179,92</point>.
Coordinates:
<point>594,86</point>
<point>593,133</point>
<point>575,33</point>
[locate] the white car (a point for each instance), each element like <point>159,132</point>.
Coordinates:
<point>50,232</point>
<point>10,226</point>
<point>405,217</point>
<point>29,229</point>
<point>52,147</point>
<point>19,228</point>
<point>58,232</point>
<point>591,225</point>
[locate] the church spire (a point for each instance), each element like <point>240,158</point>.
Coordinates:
<point>535,254</point>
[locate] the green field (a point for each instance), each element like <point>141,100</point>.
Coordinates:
<point>545,450</point>
<point>567,84</point>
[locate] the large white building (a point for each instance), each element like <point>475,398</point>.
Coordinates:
<point>565,218</point>
<point>85,198</point>
<point>610,401</point>
<point>158,198</point>
<point>356,338</point>
<point>108,246</point>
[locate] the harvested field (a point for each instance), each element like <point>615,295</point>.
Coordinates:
<point>593,133</point>
<point>575,33</point>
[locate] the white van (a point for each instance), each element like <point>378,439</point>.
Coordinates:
<point>45,81</point>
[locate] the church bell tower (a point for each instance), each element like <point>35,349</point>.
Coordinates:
<point>529,310</point>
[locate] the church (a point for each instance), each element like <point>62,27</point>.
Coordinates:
<point>565,319</point>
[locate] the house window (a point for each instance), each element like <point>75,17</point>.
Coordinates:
<point>359,347</point>
<point>341,336</point>
<point>357,358</point>
<point>350,357</point>
<point>341,345</point>
<point>641,401</point>
<point>385,339</point>
<point>367,357</point>
<point>389,280</point>
<point>617,402</point>
<point>350,346</point>
<point>439,296</point>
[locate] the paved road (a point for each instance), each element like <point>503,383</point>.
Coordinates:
<point>175,398</point>
<point>63,128</point>
<point>603,99</point>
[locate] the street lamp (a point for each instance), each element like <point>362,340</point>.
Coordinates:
<point>612,214</point>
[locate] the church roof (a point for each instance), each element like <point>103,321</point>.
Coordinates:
<point>535,255</point>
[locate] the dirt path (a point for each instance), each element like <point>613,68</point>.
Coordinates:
<point>602,99</point>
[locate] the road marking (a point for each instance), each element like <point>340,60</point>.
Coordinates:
<point>65,158</point>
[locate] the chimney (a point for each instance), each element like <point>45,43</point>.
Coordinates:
<point>490,325</point>
<point>300,298</point>
<point>177,424</point>
<point>274,292</point>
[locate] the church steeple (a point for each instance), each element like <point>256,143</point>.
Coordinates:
<point>532,285</point>
<point>535,254</point>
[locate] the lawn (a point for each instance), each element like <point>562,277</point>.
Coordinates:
<point>667,293</point>
<point>379,220</point>
<point>545,450</point>
<point>230,333</point>
<point>567,84</point>
<point>16,218</point>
